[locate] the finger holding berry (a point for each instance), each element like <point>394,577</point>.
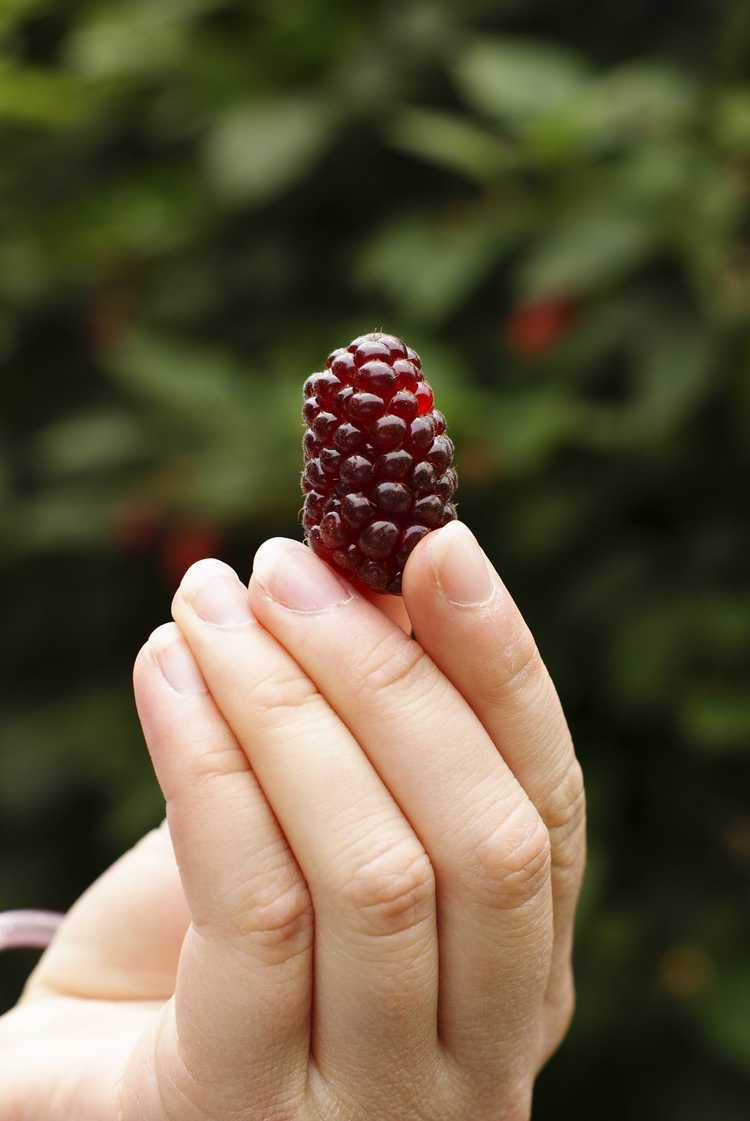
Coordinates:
<point>465,618</point>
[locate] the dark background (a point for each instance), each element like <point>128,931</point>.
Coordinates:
<point>198,200</point>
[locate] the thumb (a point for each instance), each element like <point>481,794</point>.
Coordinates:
<point>122,939</point>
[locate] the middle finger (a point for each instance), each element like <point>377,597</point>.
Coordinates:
<point>486,840</point>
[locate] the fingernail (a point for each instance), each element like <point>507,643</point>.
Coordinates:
<point>293,576</point>
<point>216,595</point>
<point>460,567</point>
<point>175,660</point>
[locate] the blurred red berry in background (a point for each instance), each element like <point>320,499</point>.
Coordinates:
<point>184,545</point>
<point>534,328</point>
<point>137,526</point>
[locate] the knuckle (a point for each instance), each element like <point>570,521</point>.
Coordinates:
<point>507,1098</point>
<point>565,1009</point>
<point>391,894</point>
<point>216,762</point>
<point>516,1104</point>
<point>559,1009</point>
<point>511,866</point>
<point>564,814</point>
<point>277,695</point>
<point>272,914</point>
<point>180,1086</point>
<point>393,662</point>
<point>518,663</point>
<point>283,923</point>
<point>518,1109</point>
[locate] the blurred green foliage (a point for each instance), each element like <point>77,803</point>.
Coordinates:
<point>198,199</point>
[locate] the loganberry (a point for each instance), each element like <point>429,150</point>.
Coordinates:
<point>379,469</point>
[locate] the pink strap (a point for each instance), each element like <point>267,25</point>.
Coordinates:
<point>30,929</point>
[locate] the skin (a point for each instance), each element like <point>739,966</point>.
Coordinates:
<point>361,903</point>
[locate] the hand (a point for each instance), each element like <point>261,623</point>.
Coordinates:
<point>381,844</point>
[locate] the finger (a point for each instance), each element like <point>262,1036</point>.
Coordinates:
<point>242,1004</point>
<point>122,939</point>
<point>485,839</point>
<point>371,883</point>
<point>467,621</point>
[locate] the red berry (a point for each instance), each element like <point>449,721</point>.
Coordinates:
<point>404,404</point>
<point>369,350</point>
<point>333,356</point>
<point>407,374</point>
<point>379,469</point>
<point>423,394</point>
<point>343,365</point>
<point>535,328</point>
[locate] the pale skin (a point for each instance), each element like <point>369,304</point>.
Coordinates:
<point>361,902</point>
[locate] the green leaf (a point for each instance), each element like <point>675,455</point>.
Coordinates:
<point>529,427</point>
<point>725,1020</point>
<point>258,149</point>
<point>428,267</point>
<point>133,38</point>
<point>620,109</point>
<point>44,751</point>
<point>585,251</point>
<point>5,484</point>
<point>732,116</point>
<point>13,12</point>
<point>187,380</point>
<point>512,79</point>
<point>91,443</point>
<point>646,98</point>
<point>675,365</point>
<point>71,518</point>
<point>452,141</point>
<point>717,721</point>
<point>31,95</point>
<point>672,369</point>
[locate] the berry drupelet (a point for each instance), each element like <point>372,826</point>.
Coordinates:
<point>379,469</point>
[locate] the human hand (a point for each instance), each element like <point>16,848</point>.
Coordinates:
<point>381,843</point>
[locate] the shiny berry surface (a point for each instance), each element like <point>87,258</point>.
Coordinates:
<point>378,474</point>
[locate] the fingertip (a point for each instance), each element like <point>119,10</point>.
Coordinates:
<point>199,572</point>
<point>273,557</point>
<point>293,576</point>
<point>193,577</point>
<point>162,636</point>
<point>275,548</point>
<point>143,664</point>
<point>456,566</point>
<point>211,592</point>
<point>167,659</point>
<point>418,576</point>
